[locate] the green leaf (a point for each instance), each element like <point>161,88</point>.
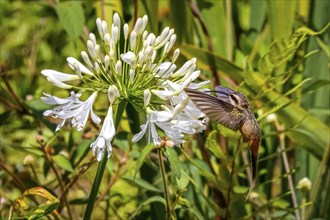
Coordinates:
<point>147,202</point>
<point>142,184</point>
<point>274,109</point>
<point>144,153</point>
<point>174,160</point>
<point>41,211</point>
<point>208,61</point>
<point>195,212</point>
<point>281,18</point>
<point>150,8</point>
<point>183,181</point>
<point>297,86</point>
<point>210,202</point>
<point>213,146</point>
<point>72,18</point>
<point>182,20</point>
<point>37,105</point>
<point>81,151</point>
<point>315,85</point>
<point>217,35</point>
<point>63,162</point>
<point>220,184</point>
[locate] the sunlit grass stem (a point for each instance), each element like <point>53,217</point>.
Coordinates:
<point>280,128</point>
<point>167,198</point>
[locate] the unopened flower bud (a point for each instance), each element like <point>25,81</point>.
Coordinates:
<point>85,57</point>
<point>133,40</point>
<point>170,143</point>
<point>147,97</point>
<point>272,117</point>
<point>115,34</point>
<point>254,196</point>
<point>138,28</point>
<point>28,159</point>
<point>104,27</point>
<point>304,184</point>
<point>106,61</point>
<point>113,93</point>
<point>145,35</point>
<point>107,39</point>
<point>118,67</point>
<point>125,31</point>
<point>145,21</point>
<point>131,75</point>
<point>171,43</point>
<point>91,49</point>
<point>116,20</point>
<point>97,68</point>
<point>97,50</point>
<point>175,55</point>
<point>77,70</point>
<point>92,38</point>
<point>99,26</point>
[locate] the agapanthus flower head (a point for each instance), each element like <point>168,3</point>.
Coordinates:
<point>137,69</point>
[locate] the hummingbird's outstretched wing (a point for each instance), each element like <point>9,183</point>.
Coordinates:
<point>227,109</point>
<point>217,109</point>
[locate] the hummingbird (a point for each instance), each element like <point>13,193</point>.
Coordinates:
<point>231,109</point>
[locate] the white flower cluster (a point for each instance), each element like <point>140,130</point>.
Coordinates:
<point>132,69</point>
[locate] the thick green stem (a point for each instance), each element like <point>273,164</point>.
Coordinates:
<point>167,198</point>
<point>95,187</point>
<point>101,167</point>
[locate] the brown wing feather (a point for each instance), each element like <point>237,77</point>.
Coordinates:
<point>216,109</point>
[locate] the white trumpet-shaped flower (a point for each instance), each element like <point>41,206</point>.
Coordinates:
<point>103,141</point>
<point>71,109</point>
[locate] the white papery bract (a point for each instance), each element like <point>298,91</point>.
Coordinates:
<point>135,68</point>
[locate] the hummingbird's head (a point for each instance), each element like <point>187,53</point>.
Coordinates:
<point>238,100</point>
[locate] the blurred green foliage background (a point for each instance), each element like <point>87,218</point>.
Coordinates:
<point>275,52</point>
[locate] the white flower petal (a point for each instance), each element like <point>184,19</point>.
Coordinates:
<point>163,116</point>
<point>71,108</point>
<point>108,128</point>
<point>163,94</point>
<point>83,69</point>
<point>59,76</point>
<point>165,69</point>
<point>53,100</point>
<point>96,119</point>
<point>128,57</point>
<point>58,83</point>
<point>60,125</point>
<point>139,135</point>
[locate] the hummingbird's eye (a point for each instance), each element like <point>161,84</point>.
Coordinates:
<point>235,99</point>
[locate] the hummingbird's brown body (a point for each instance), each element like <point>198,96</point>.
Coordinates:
<point>231,109</point>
